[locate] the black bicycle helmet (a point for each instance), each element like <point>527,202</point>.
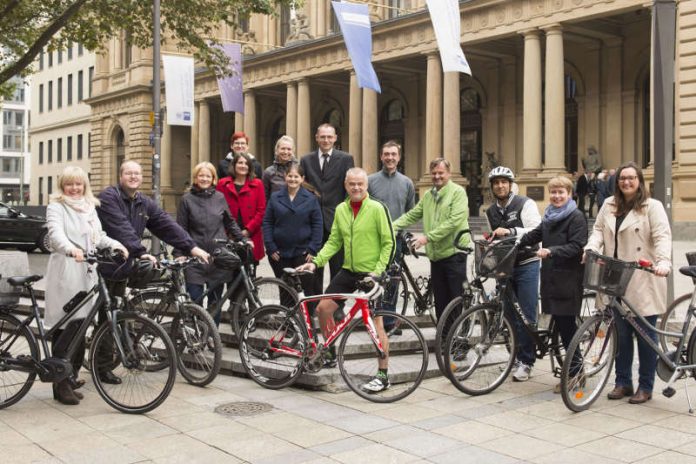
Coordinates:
<point>226,259</point>
<point>143,273</point>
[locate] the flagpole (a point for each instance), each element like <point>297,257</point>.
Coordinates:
<point>157,136</point>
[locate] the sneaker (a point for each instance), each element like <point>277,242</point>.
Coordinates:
<point>521,373</point>
<point>377,384</point>
<point>394,332</point>
<point>329,360</point>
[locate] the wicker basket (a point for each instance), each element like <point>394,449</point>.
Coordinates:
<point>607,275</point>
<point>495,259</point>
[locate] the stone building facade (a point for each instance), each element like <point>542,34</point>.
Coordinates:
<point>551,78</point>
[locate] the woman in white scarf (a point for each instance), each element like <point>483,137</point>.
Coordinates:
<point>74,230</point>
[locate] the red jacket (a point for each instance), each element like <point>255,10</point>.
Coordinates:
<point>250,203</point>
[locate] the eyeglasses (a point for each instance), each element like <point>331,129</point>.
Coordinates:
<point>627,178</point>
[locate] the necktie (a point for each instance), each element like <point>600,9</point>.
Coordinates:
<point>325,161</point>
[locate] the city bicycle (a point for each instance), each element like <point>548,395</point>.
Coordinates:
<point>132,347</point>
<point>191,328</point>
<point>593,349</point>
<point>278,344</point>
<point>674,316</point>
<point>481,346</point>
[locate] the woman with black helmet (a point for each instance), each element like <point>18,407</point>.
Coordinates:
<point>204,214</point>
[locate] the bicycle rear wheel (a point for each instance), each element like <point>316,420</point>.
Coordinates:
<point>198,345</point>
<point>408,359</point>
<point>589,362</point>
<point>147,373</point>
<point>480,349</point>
<point>272,346</point>
<point>17,346</point>
<point>270,291</point>
<point>673,321</point>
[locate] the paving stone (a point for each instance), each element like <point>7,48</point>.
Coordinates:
<point>619,449</point>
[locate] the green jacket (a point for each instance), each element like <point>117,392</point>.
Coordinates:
<point>367,239</point>
<point>444,213</point>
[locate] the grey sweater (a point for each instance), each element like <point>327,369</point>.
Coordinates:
<point>396,191</point>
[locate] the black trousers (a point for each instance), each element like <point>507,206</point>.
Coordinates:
<point>61,340</point>
<point>307,280</point>
<point>447,277</point>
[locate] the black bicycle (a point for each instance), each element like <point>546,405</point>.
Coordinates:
<point>131,346</point>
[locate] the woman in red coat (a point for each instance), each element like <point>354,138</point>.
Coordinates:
<point>246,199</point>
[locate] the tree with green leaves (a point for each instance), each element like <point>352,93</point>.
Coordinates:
<point>27,26</point>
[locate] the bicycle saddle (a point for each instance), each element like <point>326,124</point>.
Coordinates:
<point>18,281</point>
<point>689,271</point>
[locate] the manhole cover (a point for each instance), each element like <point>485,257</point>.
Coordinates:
<point>243,408</point>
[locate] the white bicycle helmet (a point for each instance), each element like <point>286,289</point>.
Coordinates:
<point>501,171</point>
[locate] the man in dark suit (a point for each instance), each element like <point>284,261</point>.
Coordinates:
<point>325,170</point>
<point>582,189</point>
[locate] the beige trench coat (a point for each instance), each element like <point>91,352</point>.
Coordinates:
<point>644,235</point>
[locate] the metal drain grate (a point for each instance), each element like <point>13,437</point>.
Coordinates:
<point>243,408</point>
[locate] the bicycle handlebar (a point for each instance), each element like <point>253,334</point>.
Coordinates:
<point>458,237</point>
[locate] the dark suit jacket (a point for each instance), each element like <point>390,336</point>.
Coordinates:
<point>582,187</point>
<point>331,185</point>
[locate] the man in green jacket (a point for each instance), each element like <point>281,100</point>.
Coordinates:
<point>444,210</point>
<point>362,227</point>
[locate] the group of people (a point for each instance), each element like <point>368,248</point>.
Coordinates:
<point>322,210</point>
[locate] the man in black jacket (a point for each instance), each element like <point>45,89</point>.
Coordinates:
<point>325,170</point>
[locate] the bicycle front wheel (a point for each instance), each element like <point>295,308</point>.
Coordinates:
<point>268,291</point>
<point>589,362</point>
<point>198,344</point>
<point>673,321</point>
<point>147,373</point>
<point>272,345</point>
<point>17,347</point>
<point>480,349</point>
<point>358,359</point>
<point>587,309</point>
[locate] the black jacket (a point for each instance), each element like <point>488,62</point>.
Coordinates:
<point>331,185</point>
<point>561,274</point>
<point>204,214</point>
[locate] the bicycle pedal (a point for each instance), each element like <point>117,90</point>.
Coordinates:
<point>669,392</point>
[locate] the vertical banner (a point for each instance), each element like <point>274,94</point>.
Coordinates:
<point>354,20</point>
<point>446,22</point>
<point>178,85</point>
<point>231,86</point>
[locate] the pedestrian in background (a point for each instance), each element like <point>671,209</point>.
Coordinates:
<point>74,231</point>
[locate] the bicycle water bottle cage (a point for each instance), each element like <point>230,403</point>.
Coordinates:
<point>54,369</point>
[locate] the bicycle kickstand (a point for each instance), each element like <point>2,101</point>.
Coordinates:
<point>688,398</point>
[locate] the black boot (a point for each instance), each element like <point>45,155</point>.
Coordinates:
<point>109,377</point>
<point>63,393</point>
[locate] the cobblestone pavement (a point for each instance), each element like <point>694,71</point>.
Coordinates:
<point>519,422</point>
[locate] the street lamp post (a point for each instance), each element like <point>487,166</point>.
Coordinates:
<point>157,136</point>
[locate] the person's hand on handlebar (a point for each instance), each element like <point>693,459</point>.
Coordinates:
<point>150,257</point>
<point>419,241</point>
<point>662,270</point>
<point>311,267</point>
<point>501,232</point>
<point>200,254</point>
<point>78,254</point>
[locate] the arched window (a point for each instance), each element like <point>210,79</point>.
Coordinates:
<point>391,127</point>
<point>470,146</point>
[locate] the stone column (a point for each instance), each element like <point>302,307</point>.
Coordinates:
<point>451,133</point>
<point>250,119</point>
<point>433,111</point>
<point>194,138</point>
<point>238,122</point>
<point>304,135</point>
<point>369,131</point>
<point>291,111</point>
<point>554,110</point>
<point>531,119</point>
<point>508,126</point>
<point>204,131</point>
<point>355,120</point>
<point>612,122</point>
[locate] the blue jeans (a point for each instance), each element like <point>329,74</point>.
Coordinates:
<point>195,291</point>
<point>525,284</point>
<point>647,359</point>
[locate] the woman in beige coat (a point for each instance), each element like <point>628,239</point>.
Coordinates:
<point>74,230</point>
<point>643,233</point>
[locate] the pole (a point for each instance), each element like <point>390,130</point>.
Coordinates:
<point>156,157</point>
<point>662,80</point>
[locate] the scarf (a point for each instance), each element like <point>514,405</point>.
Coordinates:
<point>553,214</point>
<point>196,190</point>
<point>89,223</point>
<point>81,205</point>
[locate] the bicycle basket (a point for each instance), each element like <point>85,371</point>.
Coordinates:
<point>226,259</point>
<point>495,259</point>
<point>607,275</point>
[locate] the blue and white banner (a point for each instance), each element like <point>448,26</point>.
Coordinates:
<point>354,20</point>
<point>447,25</point>
<point>231,86</point>
<point>178,87</point>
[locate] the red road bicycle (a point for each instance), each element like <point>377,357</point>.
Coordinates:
<point>278,344</point>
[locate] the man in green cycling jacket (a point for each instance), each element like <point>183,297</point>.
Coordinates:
<point>362,227</point>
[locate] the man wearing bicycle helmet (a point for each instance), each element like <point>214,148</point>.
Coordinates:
<point>515,215</point>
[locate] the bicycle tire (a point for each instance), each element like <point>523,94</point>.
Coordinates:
<point>154,303</point>
<point>556,349</point>
<point>268,290</point>
<point>408,359</point>
<point>198,345</point>
<point>15,341</point>
<point>267,330</point>
<point>673,321</point>
<point>452,311</point>
<point>145,342</point>
<point>478,356</point>
<point>89,336</point>
<point>589,362</point>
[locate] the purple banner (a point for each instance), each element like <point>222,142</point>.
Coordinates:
<point>231,86</point>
